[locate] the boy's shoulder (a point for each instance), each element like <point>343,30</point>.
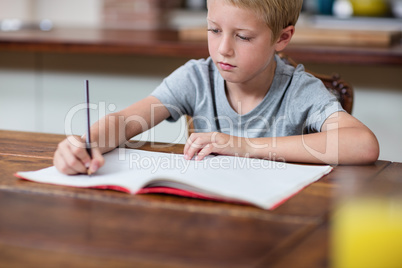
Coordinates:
<point>282,68</point>
<point>291,73</point>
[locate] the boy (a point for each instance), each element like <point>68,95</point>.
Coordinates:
<point>244,100</point>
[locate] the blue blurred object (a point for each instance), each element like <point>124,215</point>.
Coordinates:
<point>325,6</point>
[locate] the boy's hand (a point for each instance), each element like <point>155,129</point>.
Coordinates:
<point>203,144</point>
<point>72,158</point>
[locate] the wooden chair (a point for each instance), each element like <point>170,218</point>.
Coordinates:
<point>342,90</point>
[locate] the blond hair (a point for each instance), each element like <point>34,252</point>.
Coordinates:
<point>277,14</point>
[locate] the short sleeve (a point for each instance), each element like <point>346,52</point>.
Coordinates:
<point>313,103</point>
<point>174,93</point>
<point>180,91</point>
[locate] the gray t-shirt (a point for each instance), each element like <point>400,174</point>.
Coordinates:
<point>297,102</point>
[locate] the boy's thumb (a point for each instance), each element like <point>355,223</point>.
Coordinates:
<point>97,160</point>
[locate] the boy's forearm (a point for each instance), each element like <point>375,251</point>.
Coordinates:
<point>339,146</point>
<point>117,128</point>
<point>106,133</point>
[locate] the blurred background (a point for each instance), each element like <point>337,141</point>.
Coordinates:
<point>38,89</point>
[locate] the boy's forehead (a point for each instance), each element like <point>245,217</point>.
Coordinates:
<point>211,4</point>
<point>245,16</point>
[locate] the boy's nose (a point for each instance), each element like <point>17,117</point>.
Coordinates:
<point>226,47</point>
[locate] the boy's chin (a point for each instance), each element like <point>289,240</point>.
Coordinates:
<point>233,79</point>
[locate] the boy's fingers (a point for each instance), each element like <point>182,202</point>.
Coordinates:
<point>61,165</point>
<point>189,141</point>
<point>97,160</point>
<point>81,154</point>
<point>71,157</point>
<point>68,163</point>
<point>207,150</point>
<point>187,146</point>
<point>196,146</point>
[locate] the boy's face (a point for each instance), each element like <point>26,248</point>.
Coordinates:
<point>239,43</point>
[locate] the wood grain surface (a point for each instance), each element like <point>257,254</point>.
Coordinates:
<point>54,226</point>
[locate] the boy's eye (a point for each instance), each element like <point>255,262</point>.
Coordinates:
<point>213,30</point>
<point>244,38</point>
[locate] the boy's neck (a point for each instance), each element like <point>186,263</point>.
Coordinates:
<point>244,97</point>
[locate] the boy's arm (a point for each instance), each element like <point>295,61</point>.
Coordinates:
<point>342,140</point>
<point>108,133</point>
<point>117,128</point>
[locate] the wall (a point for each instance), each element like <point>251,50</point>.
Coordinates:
<point>17,9</point>
<point>40,92</point>
<point>61,12</point>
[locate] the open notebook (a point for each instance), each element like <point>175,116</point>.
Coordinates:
<point>262,183</point>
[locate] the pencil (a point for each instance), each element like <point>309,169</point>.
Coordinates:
<point>88,137</point>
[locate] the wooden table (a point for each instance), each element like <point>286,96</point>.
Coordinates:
<point>53,226</point>
<point>166,43</point>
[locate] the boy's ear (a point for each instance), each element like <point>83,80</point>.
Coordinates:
<point>284,38</point>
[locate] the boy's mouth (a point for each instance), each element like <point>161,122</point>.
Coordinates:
<point>226,66</point>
